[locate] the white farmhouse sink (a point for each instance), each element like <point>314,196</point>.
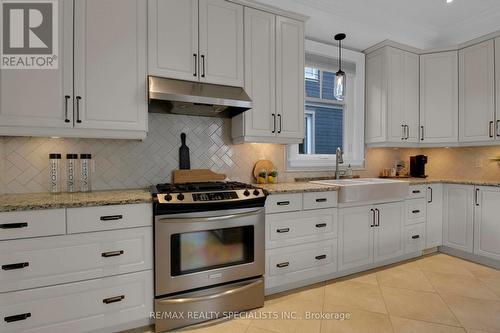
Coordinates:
<point>368,189</point>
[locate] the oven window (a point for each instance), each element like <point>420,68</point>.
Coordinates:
<point>204,250</point>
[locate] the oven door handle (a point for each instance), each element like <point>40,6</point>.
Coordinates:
<point>211,297</point>
<point>211,218</point>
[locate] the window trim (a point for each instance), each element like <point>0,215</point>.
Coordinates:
<point>353,126</point>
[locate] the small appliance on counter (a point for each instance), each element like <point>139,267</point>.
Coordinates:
<point>417,166</point>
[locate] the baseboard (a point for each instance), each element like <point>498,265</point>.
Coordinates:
<point>470,256</point>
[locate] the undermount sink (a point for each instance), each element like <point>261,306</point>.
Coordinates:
<point>368,189</point>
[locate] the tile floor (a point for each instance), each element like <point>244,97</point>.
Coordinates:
<point>437,293</point>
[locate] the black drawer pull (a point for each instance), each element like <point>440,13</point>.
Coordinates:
<point>283,203</point>
<point>112,254</point>
<point>320,225</point>
<point>415,237</point>
<point>111,217</point>
<point>12,267</point>
<point>19,317</point>
<point>416,191</point>
<point>321,200</point>
<point>282,230</point>
<point>416,211</point>
<point>321,257</point>
<point>283,264</point>
<point>14,225</point>
<point>113,299</point>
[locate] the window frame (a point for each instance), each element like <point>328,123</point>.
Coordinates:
<point>353,106</point>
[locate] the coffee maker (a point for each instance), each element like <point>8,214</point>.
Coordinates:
<point>417,166</point>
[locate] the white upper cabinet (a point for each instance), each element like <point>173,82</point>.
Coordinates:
<point>110,64</point>
<point>274,80</point>
<point>290,78</point>
<point>439,97</point>
<point>173,38</point>
<point>196,40</point>
<point>31,98</point>
<point>392,103</point>
<point>477,92</point>
<point>497,85</point>
<point>458,217</point>
<point>221,42</point>
<point>486,226</point>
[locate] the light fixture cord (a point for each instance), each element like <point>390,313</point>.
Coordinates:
<point>340,55</point>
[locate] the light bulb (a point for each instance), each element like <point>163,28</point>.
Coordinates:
<point>339,86</point>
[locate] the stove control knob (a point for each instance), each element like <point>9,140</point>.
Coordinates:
<point>168,197</point>
<point>180,196</point>
<point>246,193</point>
<point>256,192</point>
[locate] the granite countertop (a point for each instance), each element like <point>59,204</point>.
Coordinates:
<point>296,187</point>
<point>33,201</point>
<point>423,181</point>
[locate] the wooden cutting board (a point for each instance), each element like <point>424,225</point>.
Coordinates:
<point>262,165</point>
<point>196,176</point>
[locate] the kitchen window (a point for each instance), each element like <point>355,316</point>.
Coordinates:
<point>329,123</point>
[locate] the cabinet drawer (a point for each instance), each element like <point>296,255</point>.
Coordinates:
<point>280,203</point>
<point>416,191</point>
<point>414,238</point>
<point>298,258</point>
<point>29,263</point>
<point>34,223</point>
<point>79,307</point>
<point>416,211</point>
<point>317,200</point>
<point>300,227</point>
<point>89,219</point>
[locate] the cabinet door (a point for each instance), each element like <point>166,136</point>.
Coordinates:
<point>376,98</point>
<point>290,78</point>
<point>395,95</point>
<point>221,42</point>
<point>458,217</point>
<point>389,233</point>
<point>497,85</point>
<point>434,226</point>
<point>110,64</point>
<point>439,97</point>
<point>477,92</point>
<point>173,39</point>
<point>355,237</point>
<point>36,97</point>
<point>486,225</point>
<point>260,75</point>
<point>411,96</point>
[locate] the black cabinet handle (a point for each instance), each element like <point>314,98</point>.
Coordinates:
<point>113,299</point>
<point>415,236</point>
<point>320,257</point>
<point>476,197</point>
<point>274,123</point>
<point>415,191</point>
<point>378,217</point>
<point>320,225</point>
<point>19,317</point>
<point>195,64</point>
<point>403,132</point>
<point>14,225</point>
<point>112,254</point>
<point>111,217</point>
<point>283,230</point>
<point>431,191</point>
<point>321,200</point>
<point>78,98</point>
<point>498,128</point>
<point>12,267</point>
<point>66,98</point>
<point>416,211</point>
<point>281,123</point>
<point>422,133</point>
<point>283,203</point>
<point>283,264</point>
<point>203,65</point>
<point>373,218</point>
<point>491,129</point>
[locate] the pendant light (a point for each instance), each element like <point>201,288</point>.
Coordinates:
<point>340,78</point>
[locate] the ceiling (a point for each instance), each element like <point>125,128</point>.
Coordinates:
<point>424,24</point>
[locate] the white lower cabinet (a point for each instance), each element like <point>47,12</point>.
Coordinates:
<point>79,307</point>
<point>486,222</point>
<point>370,234</point>
<point>434,222</point>
<point>414,240</point>
<point>458,217</point>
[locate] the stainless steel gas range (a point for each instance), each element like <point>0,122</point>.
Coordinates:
<point>209,251</point>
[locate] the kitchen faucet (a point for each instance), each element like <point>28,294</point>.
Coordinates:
<point>339,159</point>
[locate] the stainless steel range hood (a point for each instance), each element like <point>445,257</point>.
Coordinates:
<point>196,99</point>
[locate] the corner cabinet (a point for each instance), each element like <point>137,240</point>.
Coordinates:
<point>274,80</point>
<point>197,40</point>
<point>99,89</point>
<point>392,102</point>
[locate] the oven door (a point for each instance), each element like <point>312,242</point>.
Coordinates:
<point>195,250</point>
